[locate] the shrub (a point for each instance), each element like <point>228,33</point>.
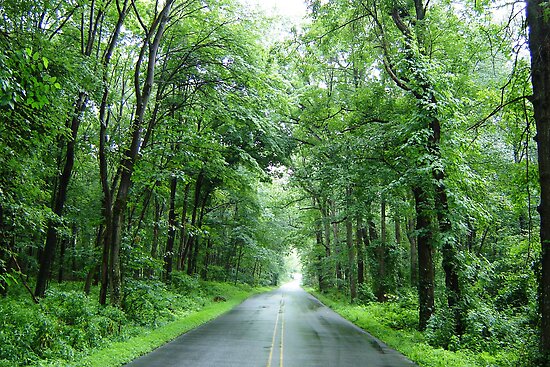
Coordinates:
<point>365,294</point>
<point>83,322</point>
<point>440,329</point>
<point>216,272</point>
<point>147,302</point>
<point>185,284</point>
<point>395,316</point>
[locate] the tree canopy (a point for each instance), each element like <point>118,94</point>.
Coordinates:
<point>400,147</point>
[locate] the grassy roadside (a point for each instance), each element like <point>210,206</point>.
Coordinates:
<point>70,329</point>
<point>123,352</point>
<point>395,327</point>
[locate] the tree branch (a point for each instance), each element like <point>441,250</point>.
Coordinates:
<point>497,110</point>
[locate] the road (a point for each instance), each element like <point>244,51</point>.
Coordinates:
<point>283,328</point>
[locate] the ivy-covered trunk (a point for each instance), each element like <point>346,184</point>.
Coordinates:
<point>351,259</point>
<point>192,240</point>
<point>413,252</point>
<point>426,275</point>
<point>380,252</point>
<point>360,250</point>
<point>168,255</point>
<point>539,43</point>
<point>419,83</point>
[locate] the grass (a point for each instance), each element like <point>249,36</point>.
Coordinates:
<point>395,327</point>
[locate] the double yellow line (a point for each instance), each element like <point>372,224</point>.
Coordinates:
<point>281,317</point>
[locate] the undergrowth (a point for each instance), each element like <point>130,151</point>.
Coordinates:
<point>69,328</point>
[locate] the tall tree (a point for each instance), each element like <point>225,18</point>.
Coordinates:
<point>538,19</point>
<point>144,76</point>
<point>95,16</point>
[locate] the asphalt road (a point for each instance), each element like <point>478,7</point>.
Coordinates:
<point>283,328</point>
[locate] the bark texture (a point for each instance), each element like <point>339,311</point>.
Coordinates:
<point>539,44</point>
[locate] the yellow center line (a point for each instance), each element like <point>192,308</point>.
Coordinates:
<point>281,316</point>
<point>273,341</point>
<point>282,332</point>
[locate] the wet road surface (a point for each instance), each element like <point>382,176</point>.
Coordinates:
<point>283,328</point>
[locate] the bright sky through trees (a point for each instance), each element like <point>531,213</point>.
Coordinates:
<point>295,9</point>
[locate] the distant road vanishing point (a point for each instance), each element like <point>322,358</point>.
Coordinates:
<point>283,328</point>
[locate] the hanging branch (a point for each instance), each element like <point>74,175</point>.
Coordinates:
<point>497,110</point>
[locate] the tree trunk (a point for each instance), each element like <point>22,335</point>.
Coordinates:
<point>60,199</point>
<point>398,240</point>
<point>337,248</point>
<point>60,195</point>
<point>326,259</point>
<point>159,209</point>
<point>238,264</point>
<point>169,253</point>
<point>5,253</point>
<point>320,252</point>
<point>199,226</point>
<point>62,249</point>
<point>381,255</point>
<point>351,260</point>
<point>95,268</point>
<point>413,252</point>
<point>397,224</point>
<point>427,103</point>
<point>450,260</point>
<point>360,251</point>
<point>190,248</point>
<point>539,44</point>
<point>183,228</point>
<point>105,283</point>
<point>426,275</point>
<point>206,262</point>
<point>107,202</point>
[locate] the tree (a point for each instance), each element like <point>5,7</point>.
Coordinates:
<point>144,70</point>
<point>88,36</point>
<point>539,45</point>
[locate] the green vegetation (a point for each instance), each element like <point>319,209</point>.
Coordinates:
<point>389,143</point>
<point>72,329</point>
<point>416,173</point>
<point>395,324</point>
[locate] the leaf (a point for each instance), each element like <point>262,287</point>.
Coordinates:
<point>46,62</point>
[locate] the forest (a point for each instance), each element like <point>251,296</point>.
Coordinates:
<point>401,148</point>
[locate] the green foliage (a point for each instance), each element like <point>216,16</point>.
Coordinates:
<point>65,324</point>
<point>185,284</point>
<point>394,324</point>
<point>146,303</point>
<point>122,352</point>
<point>365,294</point>
<point>68,325</point>
<point>440,330</point>
<point>273,145</point>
